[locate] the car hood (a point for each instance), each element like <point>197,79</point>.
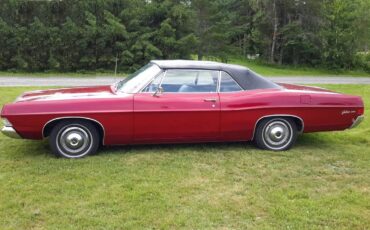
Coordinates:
<point>304,88</point>
<point>67,93</point>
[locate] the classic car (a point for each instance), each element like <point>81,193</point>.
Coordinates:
<point>178,101</point>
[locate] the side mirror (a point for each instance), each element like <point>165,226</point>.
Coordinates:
<point>158,92</point>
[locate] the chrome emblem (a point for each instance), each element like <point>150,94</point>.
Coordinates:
<point>348,112</point>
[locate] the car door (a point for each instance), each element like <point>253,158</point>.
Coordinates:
<point>186,109</point>
<point>234,118</point>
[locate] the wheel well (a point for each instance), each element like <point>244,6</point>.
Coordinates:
<point>51,124</point>
<point>297,120</point>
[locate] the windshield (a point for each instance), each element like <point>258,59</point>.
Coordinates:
<point>134,82</point>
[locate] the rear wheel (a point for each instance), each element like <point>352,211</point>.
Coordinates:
<point>74,139</point>
<point>276,134</point>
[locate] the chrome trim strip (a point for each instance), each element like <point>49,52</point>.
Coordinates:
<point>241,88</point>
<point>217,89</point>
<point>357,121</point>
<point>72,117</point>
<point>164,75</point>
<point>10,132</point>
<point>219,82</point>
<point>151,80</point>
<point>140,86</point>
<point>278,115</point>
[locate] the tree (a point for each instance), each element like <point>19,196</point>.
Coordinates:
<point>72,35</point>
<point>340,33</point>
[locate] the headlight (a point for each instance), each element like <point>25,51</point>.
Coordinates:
<point>7,123</point>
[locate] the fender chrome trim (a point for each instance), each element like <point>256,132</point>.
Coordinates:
<point>74,117</point>
<point>277,115</point>
<point>10,132</point>
<point>357,121</point>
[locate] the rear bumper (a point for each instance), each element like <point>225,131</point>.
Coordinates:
<point>357,121</point>
<point>10,132</point>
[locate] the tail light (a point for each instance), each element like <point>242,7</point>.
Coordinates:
<point>360,111</point>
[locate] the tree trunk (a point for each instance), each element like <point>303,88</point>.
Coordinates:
<point>274,35</point>
<point>201,28</point>
<point>245,45</point>
<point>281,54</point>
<point>295,58</point>
<point>200,53</point>
<point>240,45</point>
<point>116,65</point>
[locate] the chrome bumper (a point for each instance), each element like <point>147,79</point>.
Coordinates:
<point>357,121</point>
<point>10,132</point>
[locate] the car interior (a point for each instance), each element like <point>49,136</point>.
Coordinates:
<point>183,81</point>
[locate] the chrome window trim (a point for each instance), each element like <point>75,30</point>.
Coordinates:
<point>138,89</point>
<point>187,92</point>
<point>152,79</point>
<point>165,73</point>
<point>218,87</point>
<point>219,81</point>
<point>277,115</point>
<point>74,117</point>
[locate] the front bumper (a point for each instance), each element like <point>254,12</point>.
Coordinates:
<point>10,132</point>
<point>357,121</point>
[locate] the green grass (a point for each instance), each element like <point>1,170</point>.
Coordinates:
<point>323,182</point>
<point>263,69</point>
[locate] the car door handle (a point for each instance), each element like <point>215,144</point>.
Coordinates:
<point>210,100</point>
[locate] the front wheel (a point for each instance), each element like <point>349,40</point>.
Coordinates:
<point>276,134</point>
<point>74,139</point>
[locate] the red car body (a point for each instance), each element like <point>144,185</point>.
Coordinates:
<point>138,118</point>
<point>142,118</point>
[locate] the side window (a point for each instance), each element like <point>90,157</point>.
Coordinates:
<point>187,81</point>
<point>228,84</point>
<point>153,86</point>
<point>207,77</point>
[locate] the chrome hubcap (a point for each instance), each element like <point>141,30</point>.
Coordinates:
<point>74,141</point>
<point>277,134</point>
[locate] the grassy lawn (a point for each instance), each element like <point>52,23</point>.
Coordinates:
<point>263,69</point>
<point>323,182</point>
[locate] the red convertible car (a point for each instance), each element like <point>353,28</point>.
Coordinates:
<point>179,102</point>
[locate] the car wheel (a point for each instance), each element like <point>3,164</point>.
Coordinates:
<point>276,134</point>
<point>74,139</point>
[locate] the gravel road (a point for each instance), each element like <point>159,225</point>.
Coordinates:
<point>88,81</point>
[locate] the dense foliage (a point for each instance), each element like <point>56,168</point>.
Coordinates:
<point>71,35</point>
